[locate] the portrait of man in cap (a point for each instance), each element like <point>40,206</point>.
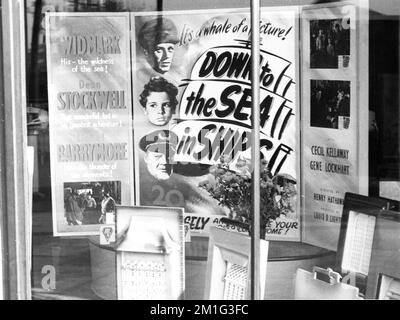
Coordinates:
<point>158,99</point>
<point>159,147</point>
<point>158,38</point>
<point>160,174</point>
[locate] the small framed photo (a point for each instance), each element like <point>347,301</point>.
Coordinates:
<point>330,44</point>
<point>330,104</point>
<point>87,204</point>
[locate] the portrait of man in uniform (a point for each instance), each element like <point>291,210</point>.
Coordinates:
<point>159,147</point>
<point>158,38</point>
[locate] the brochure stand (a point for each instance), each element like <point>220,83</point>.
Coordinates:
<point>150,259</point>
<point>227,276</point>
<point>309,287</point>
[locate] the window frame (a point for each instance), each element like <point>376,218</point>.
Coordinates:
<point>15,216</point>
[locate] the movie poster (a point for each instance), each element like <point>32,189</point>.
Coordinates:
<point>192,106</point>
<point>330,120</point>
<point>89,82</point>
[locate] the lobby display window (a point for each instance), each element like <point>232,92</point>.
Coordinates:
<point>135,104</point>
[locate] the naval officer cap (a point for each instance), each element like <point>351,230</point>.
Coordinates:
<point>159,141</point>
<point>156,31</point>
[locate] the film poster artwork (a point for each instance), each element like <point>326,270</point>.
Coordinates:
<point>88,58</point>
<point>330,43</point>
<point>86,203</point>
<point>192,105</point>
<point>330,104</point>
<point>330,121</point>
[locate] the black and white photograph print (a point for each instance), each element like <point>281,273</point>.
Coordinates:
<point>159,101</point>
<point>330,104</point>
<point>86,203</point>
<point>158,38</point>
<point>330,44</point>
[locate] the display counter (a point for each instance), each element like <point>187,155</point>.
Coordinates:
<point>283,261</point>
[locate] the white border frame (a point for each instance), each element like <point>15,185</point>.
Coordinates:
<point>359,82</point>
<point>129,103</point>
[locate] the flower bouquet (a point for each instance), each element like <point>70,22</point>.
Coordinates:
<point>233,190</point>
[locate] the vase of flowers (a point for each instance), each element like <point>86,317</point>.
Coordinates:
<point>232,188</point>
